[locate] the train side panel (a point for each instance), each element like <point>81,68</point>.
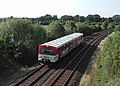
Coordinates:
<point>69,46</point>
<point>79,40</point>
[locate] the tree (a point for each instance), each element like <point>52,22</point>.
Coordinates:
<point>90,18</point>
<point>54,17</point>
<point>83,28</point>
<point>66,18</point>
<point>76,18</point>
<point>70,27</point>
<point>117,28</point>
<point>109,20</point>
<point>116,18</point>
<point>45,20</point>
<point>111,25</point>
<point>104,25</point>
<point>81,19</point>
<point>103,19</point>
<point>93,18</point>
<point>97,27</point>
<point>97,18</point>
<point>19,41</point>
<point>48,19</point>
<point>56,30</point>
<point>40,34</point>
<point>41,19</point>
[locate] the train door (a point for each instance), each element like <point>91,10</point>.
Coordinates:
<point>59,53</point>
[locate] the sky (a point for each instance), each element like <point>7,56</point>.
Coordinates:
<point>37,8</point>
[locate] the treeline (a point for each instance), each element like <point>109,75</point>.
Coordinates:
<point>108,65</point>
<point>19,37</point>
<point>47,19</point>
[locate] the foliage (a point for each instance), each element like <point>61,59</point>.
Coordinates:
<point>70,27</point>
<point>104,25</point>
<point>98,27</point>
<point>117,28</point>
<point>82,19</point>
<point>44,20</point>
<point>39,34</point>
<point>108,69</point>
<point>116,18</point>
<point>111,25</point>
<point>109,20</point>
<point>87,28</point>
<point>83,28</point>
<point>56,30</point>
<point>76,18</point>
<point>47,19</point>
<point>20,39</point>
<point>93,18</point>
<point>66,18</point>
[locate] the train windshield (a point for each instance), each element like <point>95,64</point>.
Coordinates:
<point>46,51</point>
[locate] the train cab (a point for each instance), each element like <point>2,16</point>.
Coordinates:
<point>47,54</point>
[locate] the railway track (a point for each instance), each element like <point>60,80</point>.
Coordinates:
<point>64,75</point>
<point>32,77</point>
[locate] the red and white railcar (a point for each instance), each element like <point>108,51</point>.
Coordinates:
<point>54,50</point>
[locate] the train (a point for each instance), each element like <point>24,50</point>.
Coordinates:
<point>54,50</point>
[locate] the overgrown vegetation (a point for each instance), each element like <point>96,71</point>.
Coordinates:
<point>19,37</point>
<point>108,64</point>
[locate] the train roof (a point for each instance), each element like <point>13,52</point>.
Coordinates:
<point>62,40</point>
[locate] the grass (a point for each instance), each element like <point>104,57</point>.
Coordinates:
<point>104,74</point>
<point>45,27</point>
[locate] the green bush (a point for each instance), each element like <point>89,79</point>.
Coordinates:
<point>117,28</point>
<point>108,69</point>
<point>20,38</point>
<point>56,30</point>
<point>70,27</point>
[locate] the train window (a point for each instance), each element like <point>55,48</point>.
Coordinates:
<point>46,51</point>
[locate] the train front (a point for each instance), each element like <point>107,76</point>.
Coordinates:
<point>47,54</point>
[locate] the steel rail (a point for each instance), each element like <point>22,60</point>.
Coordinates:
<point>69,77</point>
<point>27,76</point>
<point>55,79</point>
<point>33,77</point>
